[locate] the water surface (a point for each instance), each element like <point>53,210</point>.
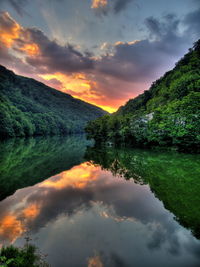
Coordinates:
<point>100,207</point>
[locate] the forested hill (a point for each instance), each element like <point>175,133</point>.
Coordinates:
<point>28,107</point>
<point>168,114</point>
<point>174,85</point>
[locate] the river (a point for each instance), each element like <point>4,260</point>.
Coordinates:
<point>86,206</point>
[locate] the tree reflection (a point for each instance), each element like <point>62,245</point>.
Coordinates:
<point>25,162</point>
<point>174,178</point>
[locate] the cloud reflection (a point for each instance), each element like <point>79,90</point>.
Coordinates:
<point>88,208</point>
<point>78,177</point>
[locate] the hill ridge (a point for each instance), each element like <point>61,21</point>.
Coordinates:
<point>173,101</point>
<point>29,107</point>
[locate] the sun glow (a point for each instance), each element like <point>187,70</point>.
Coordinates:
<point>107,108</point>
<point>79,86</point>
<point>76,84</point>
<point>21,43</point>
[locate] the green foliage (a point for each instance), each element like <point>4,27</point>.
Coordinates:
<point>28,107</point>
<point>173,177</point>
<point>26,256</point>
<point>177,123</point>
<point>166,115</point>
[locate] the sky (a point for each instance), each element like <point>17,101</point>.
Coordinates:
<point>101,51</point>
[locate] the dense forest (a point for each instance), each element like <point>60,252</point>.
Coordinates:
<point>168,114</point>
<point>168,174</point>
<point>28,107</point>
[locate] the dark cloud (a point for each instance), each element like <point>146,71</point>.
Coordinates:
<point>70,202</point>
<point>153,25</point>
<point>158,239</point>
<point>166,37</point>
<point>141,60</point>
<point>192,21</point>
<point>51,57</point>
<point>133,61</point>
<point>54,57</point>
<point>166,29</point>
<point>130,65</point>
<point>194,249</point>
<point>15,63</point>
<point>108,214</point>
<point>9,32</point>
<point>4,55</point>
<point>120,5</point>
<point>117,261</point>
<point>149,58</point>
<point>54,83</point>
<point>7,23</point>
<point>124,197</point>
<point>18,5</point>
<point>197,2</point>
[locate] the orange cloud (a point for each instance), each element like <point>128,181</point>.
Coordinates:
<point>30,49</point>
<point>78,177</point>
<point>11,227</point>
<point>99,3</point>
<point>31,211</point>
<point>76,84</point>
<point>95,262</point>
<point>9,30</point>
<point>10,34</point>
<point>82,76</point>
<point>79,86</point>
<point>14,224</point>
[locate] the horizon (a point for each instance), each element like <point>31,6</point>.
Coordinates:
<point>103,52</point>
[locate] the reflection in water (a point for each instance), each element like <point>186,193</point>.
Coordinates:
<point>25,162</point>
<point>90,215</point>
<point>174,178</point>
<point>20,212</point>
<point>95,262</point>
<point>77,177</point>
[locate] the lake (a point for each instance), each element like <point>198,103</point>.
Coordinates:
<point>86,206</point>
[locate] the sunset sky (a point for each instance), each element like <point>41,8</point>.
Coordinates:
<point>101,51</point>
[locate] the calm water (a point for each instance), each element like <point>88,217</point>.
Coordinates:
<point>105,207</point>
